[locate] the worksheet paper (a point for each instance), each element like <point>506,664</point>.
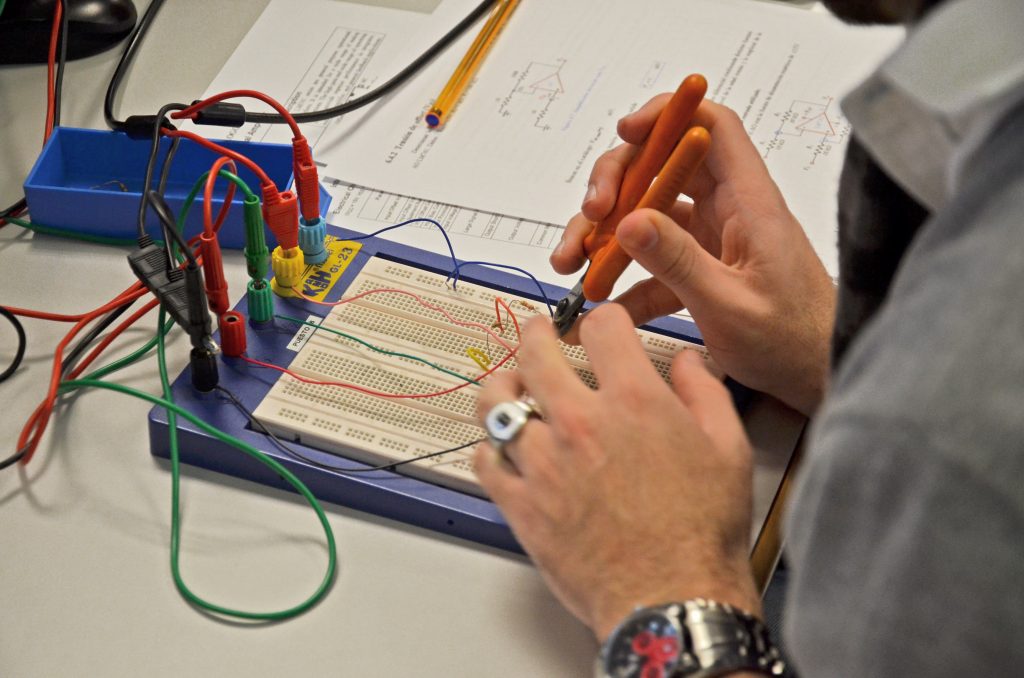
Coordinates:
<point>545,103</point>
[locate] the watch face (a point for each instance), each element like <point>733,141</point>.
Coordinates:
<point>647,645</point>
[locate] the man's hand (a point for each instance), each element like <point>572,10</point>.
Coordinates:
<point>634,494</point>
<point>736,258</point>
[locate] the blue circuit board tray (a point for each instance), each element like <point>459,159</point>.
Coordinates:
<point>387,494</point>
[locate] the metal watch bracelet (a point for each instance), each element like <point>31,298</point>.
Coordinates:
<point>694,639</point>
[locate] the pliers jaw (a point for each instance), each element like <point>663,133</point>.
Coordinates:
<point>569,308</point>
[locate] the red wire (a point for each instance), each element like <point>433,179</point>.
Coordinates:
<point>192,110</point>
<point>381,394</point>
<point>62,318</point>
<point>39,419</point>
<point>51,92</point>
<point>51,61</point>
<point>304,169</point>
<point>209,226</point>
<point>265,181</point>
<point>37,413</point>
<point>515,322</point>
<point>114,333</point>
<point>420,300</point>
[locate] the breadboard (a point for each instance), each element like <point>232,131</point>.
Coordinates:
<point>379,430</point>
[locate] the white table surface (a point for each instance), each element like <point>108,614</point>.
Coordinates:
<point>85,587</point>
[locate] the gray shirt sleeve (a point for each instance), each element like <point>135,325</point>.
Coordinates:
<point>906,534</point>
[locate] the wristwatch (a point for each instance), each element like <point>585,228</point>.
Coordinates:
<point>697,639</point>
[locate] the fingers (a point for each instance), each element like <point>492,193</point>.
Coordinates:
<point>546,375</point>
<point>501,386</point>
<point>569,255</point>
<point>616,355</point>
<point>605,177</point>
<point>733,156</point>
<point>501,482</point>
<point>530,453</point>
<point>674,257</point>
<point>707,399</point>
<point>634,128</point>
<point>645,301</point>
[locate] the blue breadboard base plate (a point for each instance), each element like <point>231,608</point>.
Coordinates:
<point>387,494</point>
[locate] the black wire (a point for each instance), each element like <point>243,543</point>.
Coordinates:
<point>154,151</point>
<point>15,209</point>
<point>170,228</point>
<point>127,56</point>
<point>58,82</point>
<point>19,353</point>
<point>135,39</point>
<point>14,458</point>
<point>165,172</point>
<point>75,353</point>
<point>68,364</point>
<point>292,452</point>
<point>387,87</point>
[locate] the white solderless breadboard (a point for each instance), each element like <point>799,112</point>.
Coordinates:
<point>378,430</point>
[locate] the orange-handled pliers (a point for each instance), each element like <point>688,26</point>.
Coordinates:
<point>668,158</point>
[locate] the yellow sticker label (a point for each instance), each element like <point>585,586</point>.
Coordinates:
<point>318,280</point>
<point>479,357</point>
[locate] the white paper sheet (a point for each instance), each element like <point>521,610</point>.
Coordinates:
<point>545,103</point>
<point>476,235</point>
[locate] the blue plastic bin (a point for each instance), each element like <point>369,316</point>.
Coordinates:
<point>90,181</point>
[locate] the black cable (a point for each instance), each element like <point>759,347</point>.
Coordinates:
<point>292,452</point>
<point>78,349</point>
<point>62,59</point>
<point>15,209</point>
<point>170,228</point>
<point>127,56</point>
<point>312,116</point>
<point>19,353</point>
<point>14,458</point>
<point>165,172</point>
<point>154,151</point>
<point>387,87</point>
<point>68,364</point>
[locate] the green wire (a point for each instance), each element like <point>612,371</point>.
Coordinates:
<point>275,466</point>
<point>380,350</point>
<point>136,355</point>
<point>224,174</point>
<point>173,411</point>
<point>73,235</point>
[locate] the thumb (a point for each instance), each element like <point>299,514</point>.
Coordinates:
<point>676,259</point>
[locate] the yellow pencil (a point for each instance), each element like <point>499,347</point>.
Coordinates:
<point>464,72</point>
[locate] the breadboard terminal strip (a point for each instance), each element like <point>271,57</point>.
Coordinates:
<point>407,331</point>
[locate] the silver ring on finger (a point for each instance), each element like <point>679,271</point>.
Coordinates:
<point>505,421</point>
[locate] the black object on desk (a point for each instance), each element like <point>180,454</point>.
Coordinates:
<point>93,26</point>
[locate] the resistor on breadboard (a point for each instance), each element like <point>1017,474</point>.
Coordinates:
<point>379,430</point>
